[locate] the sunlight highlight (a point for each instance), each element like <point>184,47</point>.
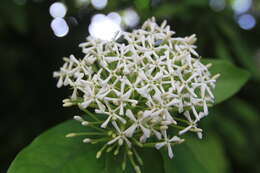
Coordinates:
<point>247,21</point>
<point>58,9</point>
<point>131,18</point>
<point>241,6</point>
<point>103,27</point>
<point>99,4</point>
<point>60,27</point>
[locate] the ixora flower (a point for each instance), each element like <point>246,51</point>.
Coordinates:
<point>144,91</point>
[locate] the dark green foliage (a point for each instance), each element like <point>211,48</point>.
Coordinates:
<point>230,81</point>
<point>30,103</point>
<point>203,156</point>
<point>52,152</point>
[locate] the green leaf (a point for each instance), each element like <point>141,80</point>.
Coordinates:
<point>194,155</point>
<point>231,80</point>
<point>152,159</point>
<point>51,152</point>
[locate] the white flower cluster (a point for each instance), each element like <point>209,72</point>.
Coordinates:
<point>150,88</point>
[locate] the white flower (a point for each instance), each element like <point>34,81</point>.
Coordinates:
<point>91,96</point>
<point>167,142</point>
<point>121,137</point>
<point>142,88</point>
<point>64,73</point>
<point>137,123</point>
<point>122,98</point>
<point>112,116</point>
<point>192,127</point>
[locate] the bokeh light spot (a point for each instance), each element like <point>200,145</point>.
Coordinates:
<point>115,17</point>
<point>241,6</point>
<point>58,9</point>
<point>60,27</point>
<point>130,18</point>
<point>246,21</point>
<point>99,4</point>
<point>104,28</point>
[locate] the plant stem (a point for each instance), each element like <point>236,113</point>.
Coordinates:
<point>90,114</point>
<point>181,120</point>
<point>178,127</point>
<point>87,133</point>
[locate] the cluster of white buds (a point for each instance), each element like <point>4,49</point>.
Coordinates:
<point>147,90</point>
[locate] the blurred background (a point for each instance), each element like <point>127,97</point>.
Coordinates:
<point>36,34</point>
